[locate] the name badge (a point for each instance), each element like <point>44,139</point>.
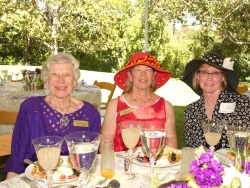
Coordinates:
<point>126,111</point>
<point>80,123</point>
<point>227,107</point>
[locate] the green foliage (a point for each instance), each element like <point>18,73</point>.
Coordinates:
<point>179,122</point>
<point>103,34</point>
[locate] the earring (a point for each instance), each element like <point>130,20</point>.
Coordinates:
<point>47,91</point>
<point>72,93</point>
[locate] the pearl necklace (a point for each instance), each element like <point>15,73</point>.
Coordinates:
<point>206,106</point>
<point>209,106</point>
<point>139,102</point>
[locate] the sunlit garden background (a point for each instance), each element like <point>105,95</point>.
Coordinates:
<point>102,34</point>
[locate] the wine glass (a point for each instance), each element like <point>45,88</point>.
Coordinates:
<point>32,80</point>
<point>239,133</point>
<point>212,131</point>
<point>48,149</point>
<point>130,136</point>
<point>8,80</point>
<point>83,148</point>
<point>153,134</point>
<point>5,73</point>
<point>16,73</point>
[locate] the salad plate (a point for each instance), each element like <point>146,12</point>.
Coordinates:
<point>221,154</point>
<point>140,158</point>
<point>62,174</point>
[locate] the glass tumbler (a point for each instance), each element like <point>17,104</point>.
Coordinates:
<point>107,159</point>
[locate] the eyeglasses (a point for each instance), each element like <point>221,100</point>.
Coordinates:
<point>138,70</point>
<point>213,74</point>
<point>57,76</point>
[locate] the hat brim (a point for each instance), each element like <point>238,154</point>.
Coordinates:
<point>231,76</point>
<point>161,76</point>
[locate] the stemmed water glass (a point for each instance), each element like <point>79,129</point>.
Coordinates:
<point>48,149</point>
<point>16,73</point>
<point>5,73</point>
<point>153,134</point>
<point>83,148</point>
<point>238,137</point>
<point>212,131</point>
<point>7,81</point>
<point>130,136</point>
<point>32,80</point>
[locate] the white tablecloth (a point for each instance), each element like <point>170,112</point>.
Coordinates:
<point>12,100</point>
<point>141,180</point>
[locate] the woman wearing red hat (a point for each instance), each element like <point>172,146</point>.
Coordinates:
<point>140,77</point>
<point>214,79</point>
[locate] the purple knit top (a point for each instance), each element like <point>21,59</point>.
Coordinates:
<point>36,118</point>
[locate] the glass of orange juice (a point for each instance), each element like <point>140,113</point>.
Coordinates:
<point>107,159</point>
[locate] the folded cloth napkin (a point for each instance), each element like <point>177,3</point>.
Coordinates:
<point>22,96</point>
<point>80,89</point>
<point>186,159</point>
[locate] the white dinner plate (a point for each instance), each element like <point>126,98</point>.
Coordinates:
<point>221,154</point>
<point>56,178</point>
<point>162,163</point>
<point>139,152</point>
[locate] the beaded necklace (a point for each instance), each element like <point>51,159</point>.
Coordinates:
<point>64,120</point>
<point>140,102</point>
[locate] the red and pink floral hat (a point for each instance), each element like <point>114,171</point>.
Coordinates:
<point>142,58</point>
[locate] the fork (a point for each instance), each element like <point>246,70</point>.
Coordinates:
<point>33,184</point>
<point>27,180</point>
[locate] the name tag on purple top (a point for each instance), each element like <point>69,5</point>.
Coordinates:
<point>80,123</point>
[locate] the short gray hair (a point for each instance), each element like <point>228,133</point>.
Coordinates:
<point>57,59</point>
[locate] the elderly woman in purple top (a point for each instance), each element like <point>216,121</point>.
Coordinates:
<point>56,114</point>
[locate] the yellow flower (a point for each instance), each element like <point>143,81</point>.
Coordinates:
<point>192,184</point>
<point>236,183</point>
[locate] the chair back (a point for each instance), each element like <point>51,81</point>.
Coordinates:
<point>242,89</point>
<point>6,117</point>
<point>5,146</point>
<point>106,86</point>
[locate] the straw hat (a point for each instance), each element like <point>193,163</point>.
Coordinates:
<point>216,61</point>
<point>142,58</point>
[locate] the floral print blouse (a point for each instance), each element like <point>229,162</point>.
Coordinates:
<point>195,112</point>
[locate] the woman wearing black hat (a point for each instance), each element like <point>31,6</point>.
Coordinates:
<point>214,79</point>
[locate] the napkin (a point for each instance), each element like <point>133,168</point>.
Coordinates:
<point>13,86</point>
<point>188,155</point>
<point>22,96</point>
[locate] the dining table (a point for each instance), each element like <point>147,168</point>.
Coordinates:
<point>164,172</point>
<point>10,100</point>
<point>141,179</point>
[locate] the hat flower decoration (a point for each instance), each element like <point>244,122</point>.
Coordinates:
<point>214,60</point>
<point>228,63</point>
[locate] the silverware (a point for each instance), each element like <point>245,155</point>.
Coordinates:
<point>34,185</point>
<point>65,186</point>
<point>28,161</point>
<point>28,181</point>
<point>113,184</point>
<point>100,183</point>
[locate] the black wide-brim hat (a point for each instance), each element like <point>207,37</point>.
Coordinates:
<point>216,61</point>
